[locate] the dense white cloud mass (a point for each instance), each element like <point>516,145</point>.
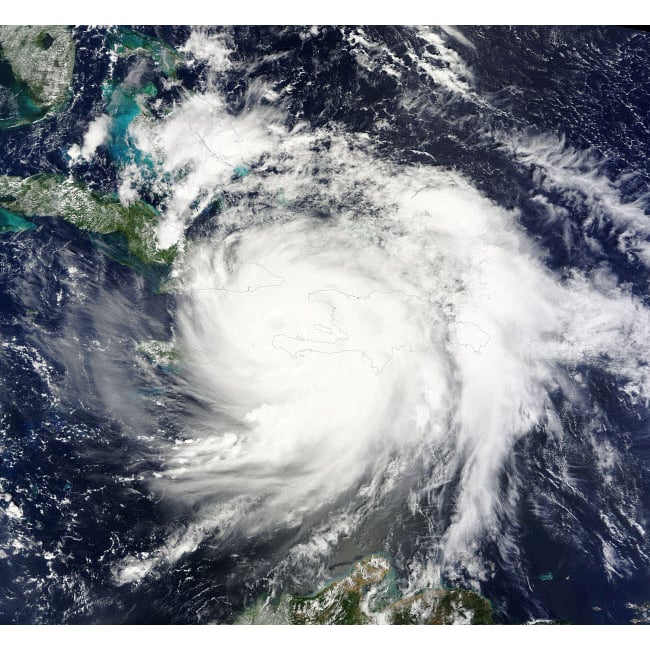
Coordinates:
<point>408,339</point>
<point>96,135</point>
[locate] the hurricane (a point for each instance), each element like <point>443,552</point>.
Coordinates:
<point>402,321</point>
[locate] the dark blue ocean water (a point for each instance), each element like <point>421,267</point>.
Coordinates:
<point>69,299</point>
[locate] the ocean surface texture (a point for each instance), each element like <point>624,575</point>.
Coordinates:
<point>324,325</point>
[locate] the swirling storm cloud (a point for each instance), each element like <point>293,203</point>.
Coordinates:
<point>421,330</point>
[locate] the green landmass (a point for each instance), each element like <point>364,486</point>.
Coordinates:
<point>125,42</point>
<point>360,599</point>
<point>41,61</point>
<point>36,66</point>
<point>49,195</point>
<point>443,607</point>
<point>162,354</point>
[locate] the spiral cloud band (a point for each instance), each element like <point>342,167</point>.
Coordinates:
<point>365,329</point>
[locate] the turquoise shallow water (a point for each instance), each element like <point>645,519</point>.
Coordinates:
<point>10,222</point>
<point>124,107</point>
<point>124,40</point>
<point>125,99</point>
<point>17,106</point>
<point>72,304</point>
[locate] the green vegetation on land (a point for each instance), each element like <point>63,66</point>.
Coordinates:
<point>41,61</point>
<point>162,354</point>
<point>125,42</point>
<point>443,607</point>
<point>359,599</point>
<point>48,195</point>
